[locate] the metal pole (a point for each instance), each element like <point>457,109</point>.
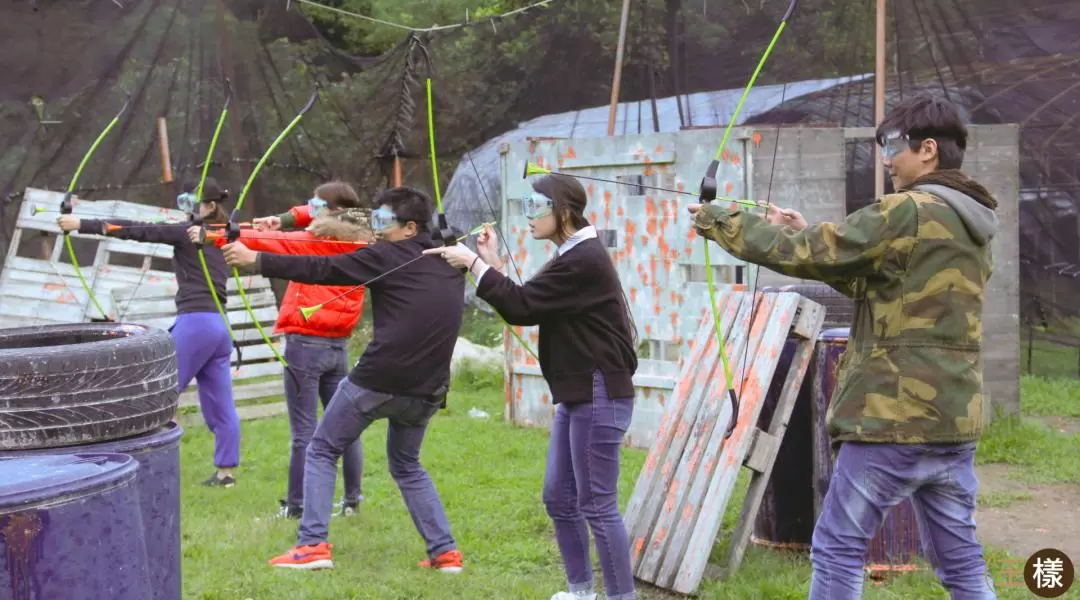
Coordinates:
<point>397,171</point>
<point>617,77</point>
<point>879,96</point>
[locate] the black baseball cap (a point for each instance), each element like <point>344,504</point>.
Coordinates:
<point>211,191</point>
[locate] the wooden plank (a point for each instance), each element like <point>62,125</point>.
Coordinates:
<point>247,391</point>
<point>706,514</point>
<point>812,317</point>
<point>246,413</point>
<point>168,305</point>
<point>678,523</point>
<point>808,322</point>
<point>762,451</point>
<point>671,422</point>
<point>682,461</point>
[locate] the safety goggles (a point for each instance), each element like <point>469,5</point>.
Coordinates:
<point>382,219</point>
<point>536,205</point>
<point>317,206</point>
<point>187,202</point>
<point>894,144</point>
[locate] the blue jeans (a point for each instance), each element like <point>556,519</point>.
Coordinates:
<point>581,486</point>
<point>351,411</point>
<point>868,481</point>
<point>316,367</point>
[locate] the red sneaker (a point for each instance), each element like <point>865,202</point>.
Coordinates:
<point>447,562</point>
<point>305,557</point>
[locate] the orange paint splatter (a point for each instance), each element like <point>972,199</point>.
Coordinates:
<point>650,216</point>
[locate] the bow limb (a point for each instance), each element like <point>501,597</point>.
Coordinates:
<point>66,206</point>
<point>708,194</point>
<point>445,232</point>
<point>198,194</point>
<point>234,221</point>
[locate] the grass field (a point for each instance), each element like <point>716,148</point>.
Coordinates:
<point>489,474</point>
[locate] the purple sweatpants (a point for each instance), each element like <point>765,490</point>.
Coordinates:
<point>203,349</point>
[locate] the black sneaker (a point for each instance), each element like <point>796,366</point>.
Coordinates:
<point>289,512</point>
<point>227,481</point>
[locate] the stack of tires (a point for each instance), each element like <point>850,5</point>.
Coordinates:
<point>89,463</point>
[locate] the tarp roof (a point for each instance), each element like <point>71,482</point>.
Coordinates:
<point>464,200</point>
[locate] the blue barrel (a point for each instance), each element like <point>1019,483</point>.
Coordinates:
<point>158,484</point>
<point>895,546</point>
<point>70,527</point>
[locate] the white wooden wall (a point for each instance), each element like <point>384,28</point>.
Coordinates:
<point>37,291</point>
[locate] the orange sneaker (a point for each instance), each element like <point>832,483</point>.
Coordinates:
<point>447,562</point>
<point>305,557</point>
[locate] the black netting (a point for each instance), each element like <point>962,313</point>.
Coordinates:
<point>69,64</point>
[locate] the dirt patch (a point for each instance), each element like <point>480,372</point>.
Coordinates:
<point>1066,425</point>
<point>1023,518</point>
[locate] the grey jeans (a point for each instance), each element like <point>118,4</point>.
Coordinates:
<point>316,367</point>
<point>351,411</point>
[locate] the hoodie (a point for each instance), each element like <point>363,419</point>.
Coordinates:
<point>328,235</point>
<point>916,263</point>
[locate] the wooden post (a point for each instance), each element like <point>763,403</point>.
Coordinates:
<point>397,171</point>
<point>879,96</point>
<point>163,151</point>
<point>617,77</point>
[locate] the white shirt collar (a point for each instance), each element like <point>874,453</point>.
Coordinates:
<point>585,233</point>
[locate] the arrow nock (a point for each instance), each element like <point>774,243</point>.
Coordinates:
<point>307,311</point>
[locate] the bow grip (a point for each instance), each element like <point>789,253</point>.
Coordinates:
<point>66,205</point>
<point>445,235</point>
<point>232,231</point>
<point>708,183</point>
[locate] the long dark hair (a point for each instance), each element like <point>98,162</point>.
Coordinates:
<point>569,199</point>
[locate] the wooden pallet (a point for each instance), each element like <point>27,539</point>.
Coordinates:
<point>674,514</point>
<point>259,374</point>
<point>38,286</point>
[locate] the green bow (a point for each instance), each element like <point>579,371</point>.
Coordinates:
<point>196,220</point>
<point>708,194</point>
<point>66,206</point>
<point>443,229</point>
<point>233,230</point>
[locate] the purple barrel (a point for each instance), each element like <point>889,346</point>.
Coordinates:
<point>785,519</point>
<point>896,544</point>
<point>158,485</point>
<point>70,527</point>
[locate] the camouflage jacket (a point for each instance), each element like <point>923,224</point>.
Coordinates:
<point>916,264</point>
